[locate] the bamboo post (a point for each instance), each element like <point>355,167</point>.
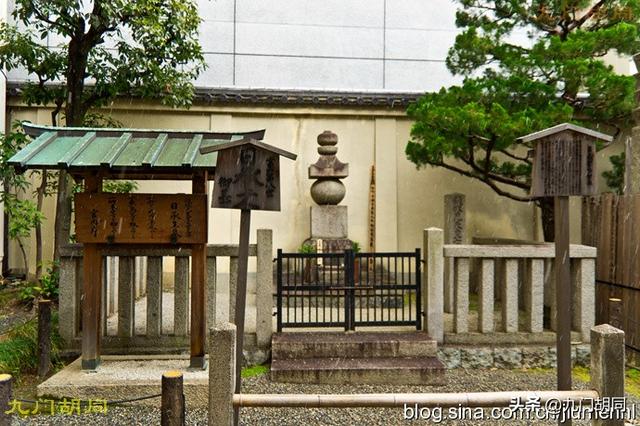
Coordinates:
<point>409,400</point>
<point>172,409</point>
<point>44,337</point>
<point>5,396</point>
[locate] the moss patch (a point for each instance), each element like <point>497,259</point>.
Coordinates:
<point>256,370</point>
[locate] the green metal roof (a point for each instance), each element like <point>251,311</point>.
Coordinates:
<point>126,153</point>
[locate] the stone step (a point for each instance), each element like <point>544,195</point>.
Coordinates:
<point>394,371</point>
<point>352,345</point>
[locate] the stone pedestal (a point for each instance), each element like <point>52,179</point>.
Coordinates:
<point>329,222</point>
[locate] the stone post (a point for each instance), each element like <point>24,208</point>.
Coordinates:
<point>264,288</point>
<point>212,297</point>
<point>454,233</point>
<point>433,282</point>
<point>583,277</point>
<point>222,365</point>
<point>67,324</point>
<point>607,366</point>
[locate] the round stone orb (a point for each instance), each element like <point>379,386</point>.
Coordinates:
<point>328,191</point>
<point>327,150</point>
<point>327,138</point>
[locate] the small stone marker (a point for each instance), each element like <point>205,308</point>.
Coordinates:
<point>454,219</point>
<point>454,233</point>
<point>607,367</point>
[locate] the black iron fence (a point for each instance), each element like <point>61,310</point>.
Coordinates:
<point>348,289</point>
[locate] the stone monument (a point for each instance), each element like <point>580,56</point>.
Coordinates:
<point>329,228</point>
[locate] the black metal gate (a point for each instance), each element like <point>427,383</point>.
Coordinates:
<point>348,289</point>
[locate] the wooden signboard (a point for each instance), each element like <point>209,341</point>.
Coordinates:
<point>141,218</point>
<point>247,178</point>
<point>564,164</point>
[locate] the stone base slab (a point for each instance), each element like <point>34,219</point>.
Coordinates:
<point>127,377</point>
<point>329,222</point>
<point>382,371</point>
<point>539,356</point>
<point>293,345</point>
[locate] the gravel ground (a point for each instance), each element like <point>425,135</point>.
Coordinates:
<point>458,381</point>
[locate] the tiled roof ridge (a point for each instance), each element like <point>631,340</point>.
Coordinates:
<point>254,96</point>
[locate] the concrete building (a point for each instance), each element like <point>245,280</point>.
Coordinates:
<point>299,67</point>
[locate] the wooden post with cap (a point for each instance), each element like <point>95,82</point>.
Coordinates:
<point>247,178</point>
<point>563,165</point>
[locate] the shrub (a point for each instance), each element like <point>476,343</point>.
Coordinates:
<point>47,288</point>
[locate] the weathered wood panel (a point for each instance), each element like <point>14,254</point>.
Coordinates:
<point>141,218</point>
<point>612,224</point>
<point>247,178</point>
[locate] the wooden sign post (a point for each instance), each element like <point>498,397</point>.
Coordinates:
<point>563,165</point>
<point>247,178</point>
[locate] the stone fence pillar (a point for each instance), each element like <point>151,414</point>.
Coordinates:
<point>264,288</point>
<point>607,366</point>
<point>583,286</point>
<point>433,283</point>
<point>222,377</point>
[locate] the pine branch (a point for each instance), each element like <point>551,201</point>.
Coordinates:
<point>594,9</point>
<point>487,182</point>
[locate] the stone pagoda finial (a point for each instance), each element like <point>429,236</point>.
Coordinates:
<point>328,170</point>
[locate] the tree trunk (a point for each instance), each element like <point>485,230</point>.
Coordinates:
<point>75,111</point>
<point>25,260</point>
<point>41,193</point>
<point>548,230</point>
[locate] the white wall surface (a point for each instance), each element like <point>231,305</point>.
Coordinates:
<point>348,45</point>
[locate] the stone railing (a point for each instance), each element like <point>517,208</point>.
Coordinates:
<point>130,273</point>
<point>520,277</point>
